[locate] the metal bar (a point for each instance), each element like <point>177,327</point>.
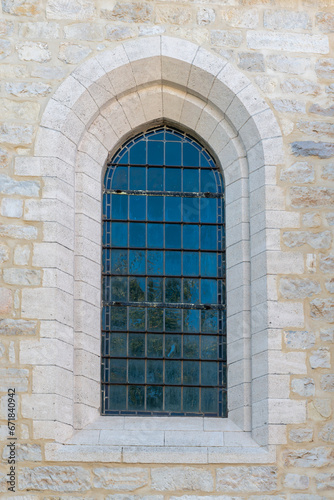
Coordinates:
<point>147,332</point>
<point>182,223</point>
<point>165,305</point>
<point>163,385</point>
<point>151,358</point>
<point>109,247</point>
<point>175,194</point>
<point>150,165</point>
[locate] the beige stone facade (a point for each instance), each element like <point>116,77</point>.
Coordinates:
<point>252,80</point>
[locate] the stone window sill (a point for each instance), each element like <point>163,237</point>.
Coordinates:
<point>161,440</point>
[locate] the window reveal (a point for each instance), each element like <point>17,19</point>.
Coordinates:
<point>164,314</point>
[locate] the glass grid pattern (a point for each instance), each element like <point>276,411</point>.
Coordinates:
<point>163,283</point>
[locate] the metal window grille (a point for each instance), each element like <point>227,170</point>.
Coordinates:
<point>163,283</point>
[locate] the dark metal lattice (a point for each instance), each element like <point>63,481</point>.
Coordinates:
<point>163,316</point>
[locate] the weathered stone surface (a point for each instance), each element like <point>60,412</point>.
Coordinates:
<point>320,358</point>
<point>49,72</point>
<point>330,285</point>
<point>297,86</point>
<point>33,51</point>
<point>328,172</point>
<point>23,110</point>
<point>151,30</point>
<point>286,64</point>
<point>323,407</point>
<point>305,496</point>
<point>9,71</point>
<point>256,478</point>
<point>238,18</point>
<point>299,339</point>
<point>24,89</point>
<point>298,288</point>
<point>325,68</point>
<point>325,481</point>
<point>6,301</point>
<point>75,10</point>
<point>300,172</point>
<point>327,263</point>
<point>296,481</point>
<point>54,478</point>
<point>23,188</point>
<point>5,48</point>
<point>119,32</point>
<point>322,309</point>
<point>289,42</point>
<point>173,15</point>
<point>303,386</point>
<point>72,53</point>
<point>319,110</point>
<point>26,452</point>
<point>205,16</point>
<point>301,435</point>
<point>266,83</point>
<point>11,207</point>
<point>17,327</point>
<point>311,219</point>
<point>13,377</point>
<point>289,106</point>
<point>137,12</point>
<point>121,479</point>
<point>6,28</point>
<point>21,255</point>
<point>181,478</point>
<point>317,128</point>
<point>327,334</point>
<point>139,497</point>
<point>294,239</point>
<point>221,38</point>
<point>327,382</point>
<point>327,432</point>
<point>4,253</point>
<point>325,21</point>
<point>305,197</point>
<point>84,31</point>
<point>22,232</point>
<point>4,158</point>
<point>315,457</point>
<point>39,30</point>
<point>251,61</point>
<point>15,276</point>
<point>21,7</point>
<point>286,19</point>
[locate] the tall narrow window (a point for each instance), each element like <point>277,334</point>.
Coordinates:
<point>163,317</point>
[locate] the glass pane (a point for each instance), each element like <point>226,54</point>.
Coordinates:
<point>209,292</point>
<point>117,344</point>
<point>209,237</point>
<point>173,398</point>
<point>173,346</point>
<point>137,207</point>
<point>173,320</point>
<point>154,319</point>
<point>173,208</point>
<point>173,263</point>
<point>173,372</point>
<point>155,289</point>
<point>155,235</point>
<point>208,181</point>
<point>173,179</point>
<point>191,291</point>
<point>137,289</point>
<point>173,236</point>
<point>191,372</point>
<point>137,345</point>
<point>120,178</point>
<point>116,397</point>
<point>136,371</point>
<point>154,262</point>
<point>209,347</point>
<point>119,206</point>
<point>155,208</point>
<point>191,320</point>
<point>173,290</point>
<point>209,373</point>
<point>154,398</point>
<point>154,371</point>
<point>191,209</point>
<point>155,179</point>
<point>138,156</point>
<point>190,264</point>
<point>137,319</point>
<point>155,153</point>
<point>191,237</point>
<point>190,399</point>
<point>209,321</point>
<point>191,346</point>
<point>155,345</point>
<point>173,153</point>
<point>136,398</point>
<point>137,234</point>
<point>119,234</point>
<point>119,262</point>
<point>119,289</point>
<point>208,209</point>
<point>208,264</point>
<point>191,180</point>
<point>209,400</point>
<point>137,262</point>
<point>117,370</point>
<point>118,318</point>
<point>190,155</point>
<point>138,178</point>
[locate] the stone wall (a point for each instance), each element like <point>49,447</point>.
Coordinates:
<point>285,48</point>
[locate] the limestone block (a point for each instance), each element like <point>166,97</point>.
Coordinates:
<point>72,53</point>
<point>299,339</point>
<point>76,10</point>
<point>328,172</point>
<point>314,457</point>
<point>311,219</point>
<point>4,253</point>
<point>4,158</point>
<point>325,21</point>
<point>11,207</point>
<point>6,301</point>
<point>5,48</point>
<point>55,478</point>
<point>325,481</point>
<point>129,12</point>
<point>27,277</point>
<point>300,172</point>
<point>322,407</point>
<point>251,61</point>
<point>13,133</point>
<point>238,18</point>
<point>322,309</point>
<point>121,478</point>
<point>294,288</point>
<point>21,7</point>
<point>317,128</point>
<point>301,435</point>
<point>84,31</point>
<point>179,16</point>
<point>224,38</point>
<point>33,51</point>
<point>23,188</point>
<point>288,64</point>
<point>181,478</point>
<point>327,432</point>
<point>288,42</point>
<point>205,16</point>
<point>39,30</point>
<point>286,20</point>
<point>320,358</point>
<point>266,83</point>
<point>297,86</point>
<point>26,452</point>
<point>49,72</point>
<point>327,263</point>
<point>151,30</point>
<point>14,377</point>
<point>325,68</point>
<point>17,327</point>
<point>289,106</point>
<point>119,32</point>
<point>23,89</point>
<point>6,28</point>
<point>296,481</point>
<point>303,386</point>
<point>327,382</point>
<point>305,197</point>
<point>250,479</point>
<point>327,334</point>
<point>319,110</point>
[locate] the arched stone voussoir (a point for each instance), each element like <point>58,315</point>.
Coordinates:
<point>245,104</point>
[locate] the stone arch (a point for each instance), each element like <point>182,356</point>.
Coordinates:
<point>104,101</point>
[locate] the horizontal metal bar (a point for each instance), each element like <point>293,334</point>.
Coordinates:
<point>219,334</point>
<point>107,247</point>
<point>143,413</point>
<point>151,358</point>
<point>180,223</point>
<point>159,276</point>
<point>165,305</point>
<point>149,165</point>
<point>175,194</point>
<point>163,385</point>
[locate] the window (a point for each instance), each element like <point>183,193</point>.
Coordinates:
<point>163,317</point>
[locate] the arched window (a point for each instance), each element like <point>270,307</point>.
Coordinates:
<point>163,317</point>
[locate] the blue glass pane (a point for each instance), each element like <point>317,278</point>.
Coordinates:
<point>172,263</point>
<point>136,398</point>
<point>154,262</point>
<point>209,347</point>
<point>173,209</point>
<point>191,320</point>
<point>116,397</point>
<point>173,153</point>
<point>173,398</point>
<point>119,234</point>
<point>120,178</point>
<point>209,321</point>
<point>138,154</point>
<point>209,292</point>
<point>173,136</point>
<point>136,371</point>
<point>190,264</point>
<point>190,399</point>
<point>154,319</point>
<point>209,237</point>
<point>190,209</point>
<point>205,160</point>
<point>155,179</point>
<point>208,182</point>
<point>156,136</point>
<point>138,178</point>
<point>154,371</point>
<point>190,180</point>
<point>191,237</point>
<point>154,398</point>
<point>118,320</point>
<point>155,208</point>
<point>137,289</point>
<point>155,289</point>
<point>173,290</point>
<point>208,209</point>
<point>191,372</point>
<point>173,236</point>
<point>191,291</point>
<point>190,155</point>
<point>173,179</point>
<point>137,262</point>
<point>209,400</point>
<point>119,206</point>
<point>173,320</point>
<point>209,373</point>
<point>155,153</point>
<point>119,262</point>
<point>155,345</point>
<point>191,346</point>
<point>137,319</point>
<point>106,233</point>
<point>137,234</point>
<point>173,346</point>
<point>137,345</point>
<point>119,288</point>
<point>173,372</point>
<point>117,344</point>
<point>155,235</point>
<point>209,264</point>
<point>122,157</point>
